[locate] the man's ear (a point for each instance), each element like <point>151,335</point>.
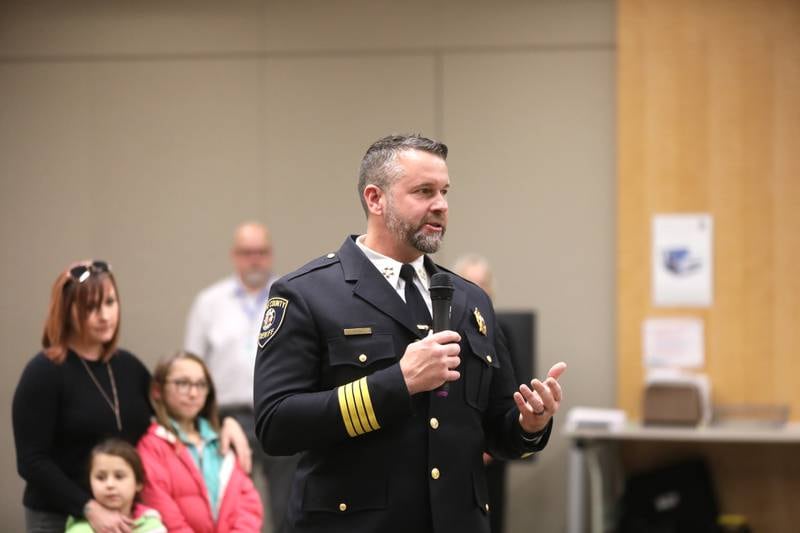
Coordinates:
<point>375,199</point>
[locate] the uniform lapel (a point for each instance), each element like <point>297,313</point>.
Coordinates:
<point>372,287</point>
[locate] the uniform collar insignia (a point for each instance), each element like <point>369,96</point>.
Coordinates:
<point>480,321</point>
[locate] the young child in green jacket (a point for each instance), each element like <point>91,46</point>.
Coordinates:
<point>117,477</point>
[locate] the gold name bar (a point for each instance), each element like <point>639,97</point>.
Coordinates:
<point>357,331</point>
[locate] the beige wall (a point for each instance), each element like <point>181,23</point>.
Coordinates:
<point>143,133</point>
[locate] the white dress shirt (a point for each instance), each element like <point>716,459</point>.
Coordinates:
<point>222,328</point>
<point>390,269</point>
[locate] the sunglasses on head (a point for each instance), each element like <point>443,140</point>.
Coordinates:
<point>81,273</point>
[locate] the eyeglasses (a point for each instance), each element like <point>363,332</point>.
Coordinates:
<point>81,273</point>
<point>252,252</point>
<point>183,386</point>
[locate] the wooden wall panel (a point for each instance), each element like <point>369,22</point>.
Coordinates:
<point>709,121</point>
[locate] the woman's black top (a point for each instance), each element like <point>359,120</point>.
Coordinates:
<point>59,415</point>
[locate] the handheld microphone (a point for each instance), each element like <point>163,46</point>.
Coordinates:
<point>441,290</point>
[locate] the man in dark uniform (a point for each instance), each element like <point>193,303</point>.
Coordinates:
<point>348,373</point>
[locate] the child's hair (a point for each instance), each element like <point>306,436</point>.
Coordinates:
<point>210,411</point>
<point>123,450</point>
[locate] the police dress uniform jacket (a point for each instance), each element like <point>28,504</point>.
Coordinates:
<point>328,383</point>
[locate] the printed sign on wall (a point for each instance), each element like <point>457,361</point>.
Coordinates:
<point>682,260</point>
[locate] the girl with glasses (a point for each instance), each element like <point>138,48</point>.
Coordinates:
<point>193,487</point>
<point>78,391</point>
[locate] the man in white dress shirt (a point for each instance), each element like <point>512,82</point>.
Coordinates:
<point>223,328</point>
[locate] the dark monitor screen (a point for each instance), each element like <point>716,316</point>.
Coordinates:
<point>519,328</point>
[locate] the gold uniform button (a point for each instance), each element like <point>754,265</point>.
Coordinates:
<point>434,423</point>
<point>486,507</point>
<point>489,359</point>
<point>331,256</point>
<point>362,358</point>
<point>342,506</point>
<point>435,473</point>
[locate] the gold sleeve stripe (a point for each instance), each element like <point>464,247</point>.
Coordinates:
<point>362,415</point>
<point>368,403</point>
<point>351,405</point>
<point>356,408</point>
<point>345,413</point>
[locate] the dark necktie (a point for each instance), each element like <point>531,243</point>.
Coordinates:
<point>414,301</point>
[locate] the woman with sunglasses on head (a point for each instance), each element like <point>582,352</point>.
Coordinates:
<point>79,390</point>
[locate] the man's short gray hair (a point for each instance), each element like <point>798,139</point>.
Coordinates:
<point>379,165</point>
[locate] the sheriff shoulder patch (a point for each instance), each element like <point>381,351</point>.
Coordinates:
<point>273,318</point>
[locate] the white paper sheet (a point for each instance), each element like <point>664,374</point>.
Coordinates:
<point>673,342</point>
<point>682,260</point>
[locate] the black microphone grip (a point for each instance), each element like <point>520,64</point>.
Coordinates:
<point>441,301</point>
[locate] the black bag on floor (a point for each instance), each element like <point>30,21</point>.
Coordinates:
<point>678,498</point>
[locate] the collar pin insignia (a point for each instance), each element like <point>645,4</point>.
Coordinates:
<point>480,321</point>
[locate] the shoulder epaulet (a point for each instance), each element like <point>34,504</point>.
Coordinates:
<point>440,267</point>
<point>315,264</point>
<point>443,269</point>
<point>462,278</point>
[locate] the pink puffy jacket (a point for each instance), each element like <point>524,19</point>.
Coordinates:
<point>175,488</point>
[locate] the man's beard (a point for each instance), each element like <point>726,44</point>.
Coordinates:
<point>255,279</point>
<point>414,236</point>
